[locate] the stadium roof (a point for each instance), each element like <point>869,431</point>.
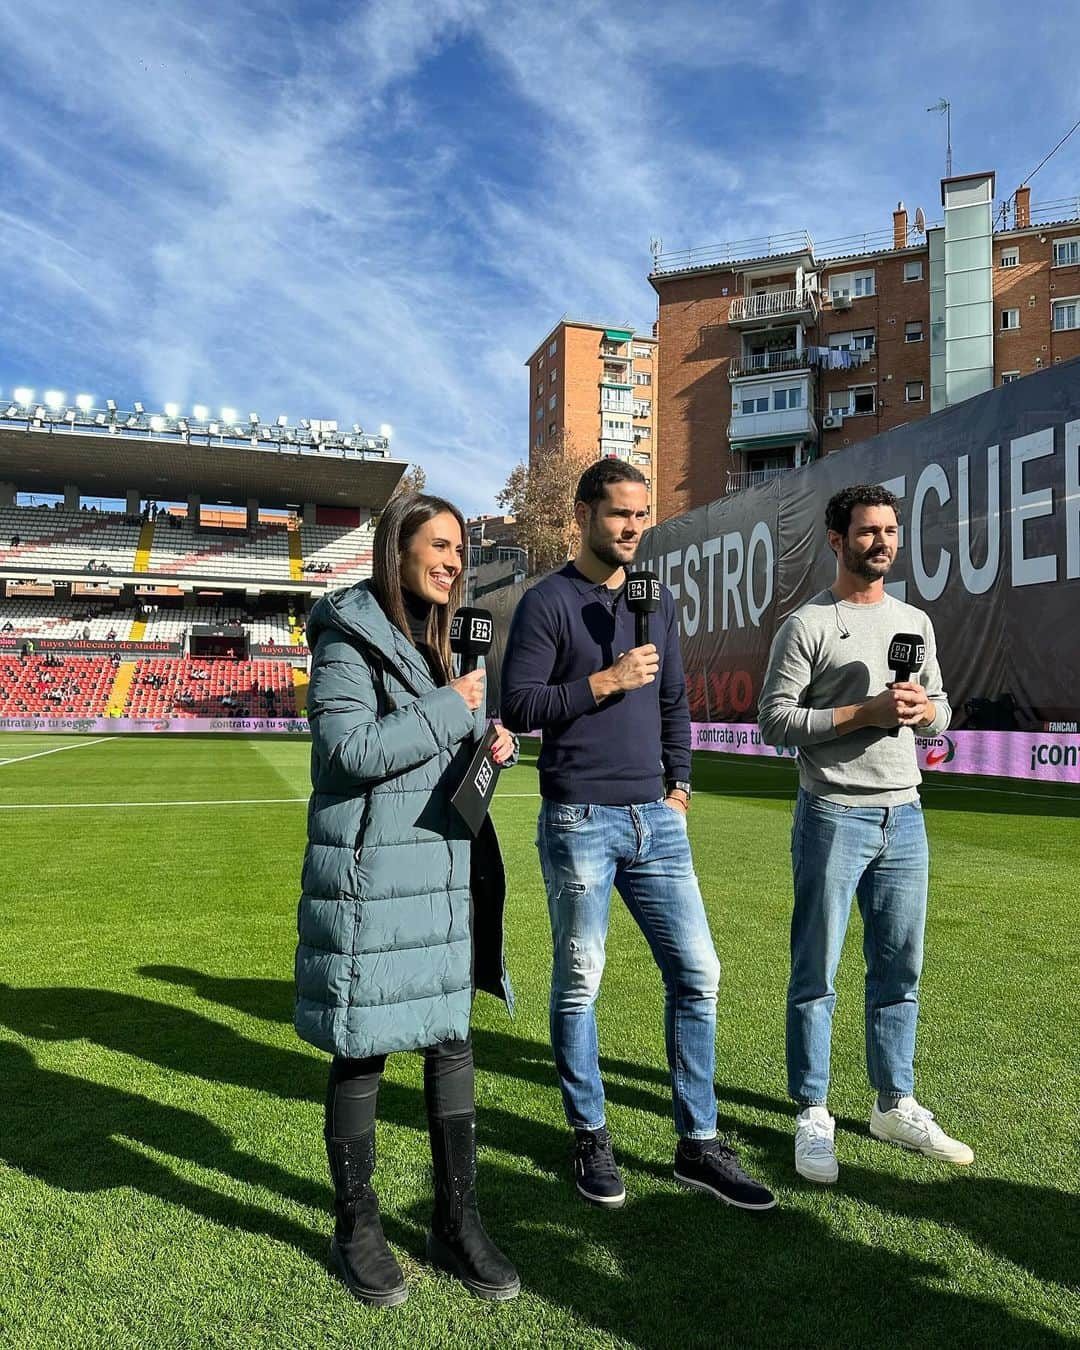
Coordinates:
<point>168,467</point>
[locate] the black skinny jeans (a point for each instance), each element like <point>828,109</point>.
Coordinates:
<point>353,1090</point>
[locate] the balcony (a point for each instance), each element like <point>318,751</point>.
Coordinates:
<point>614,353</point>
<point>793,304</point>
<point>765,363</point>
<point>622,376</point>
<point>616,404</point>
<point>748,478</point>
<point>790,424</point>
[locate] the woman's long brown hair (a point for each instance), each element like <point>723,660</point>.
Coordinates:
<point>401,518</point>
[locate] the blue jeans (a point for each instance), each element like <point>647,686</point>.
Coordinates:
<point>645,852</point>
<point>879,854</point>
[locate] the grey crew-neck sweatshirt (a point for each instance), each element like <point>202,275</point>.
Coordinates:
<point>831,653</point>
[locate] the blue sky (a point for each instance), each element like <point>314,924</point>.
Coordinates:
<point>373,212</point>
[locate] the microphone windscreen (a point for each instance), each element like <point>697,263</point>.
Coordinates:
<point>642,592</point>
<point>907,651</point>
<point>471,631</point>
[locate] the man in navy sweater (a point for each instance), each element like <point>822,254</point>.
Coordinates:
<point>615,784</point>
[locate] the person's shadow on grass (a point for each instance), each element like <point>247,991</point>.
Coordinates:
<point>1036,1228</point>
<point>81,1136</point>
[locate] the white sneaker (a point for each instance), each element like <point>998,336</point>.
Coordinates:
<point>913,1127</point>
<point>815,1157</point>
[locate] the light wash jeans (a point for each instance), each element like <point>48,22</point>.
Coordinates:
<point>644,851</point>
<point>879,854</point>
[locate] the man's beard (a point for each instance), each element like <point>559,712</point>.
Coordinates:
<point>860,564</point>
<point>604,551</point>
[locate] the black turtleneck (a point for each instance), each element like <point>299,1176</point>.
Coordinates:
<point>417,612</point>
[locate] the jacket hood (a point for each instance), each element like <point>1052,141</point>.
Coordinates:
<point>355,612</point>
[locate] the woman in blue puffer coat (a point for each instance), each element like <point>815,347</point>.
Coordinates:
<point>400,920</point>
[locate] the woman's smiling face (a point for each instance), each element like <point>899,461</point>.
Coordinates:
<point>433,559</point>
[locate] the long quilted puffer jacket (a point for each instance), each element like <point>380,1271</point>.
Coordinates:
<point>401,911</point>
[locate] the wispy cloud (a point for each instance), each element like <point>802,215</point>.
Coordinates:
<point>375,213</point>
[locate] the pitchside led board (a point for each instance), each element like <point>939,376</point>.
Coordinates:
<point>990,548</point>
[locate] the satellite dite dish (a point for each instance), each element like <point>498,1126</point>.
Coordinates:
<point>920,220</point>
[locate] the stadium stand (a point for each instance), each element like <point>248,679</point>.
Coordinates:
<point>181,550</point>
<point>65,619</point>
<point>341,554</point>
<point>50,686</point>
<point>67,540</point>
<point>194,688</point>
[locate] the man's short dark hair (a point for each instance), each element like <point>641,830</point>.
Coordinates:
<point>842,503</point>
<point>593,483</point>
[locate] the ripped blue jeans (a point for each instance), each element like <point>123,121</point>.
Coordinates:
<point>644,852</point>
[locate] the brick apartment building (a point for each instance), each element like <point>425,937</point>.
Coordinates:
<point>593,386</point>
<point>775,352</point>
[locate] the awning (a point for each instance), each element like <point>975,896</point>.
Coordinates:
<point>767,442</point>
<point>618,334</point>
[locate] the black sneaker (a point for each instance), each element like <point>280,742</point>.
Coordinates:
<point>712,1165</point>
<point>595,1173</point>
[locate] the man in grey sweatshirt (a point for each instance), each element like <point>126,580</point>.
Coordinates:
<point>858,827</point>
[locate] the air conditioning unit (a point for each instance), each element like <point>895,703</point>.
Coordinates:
<point>832,420</point>
<point>841,301</point>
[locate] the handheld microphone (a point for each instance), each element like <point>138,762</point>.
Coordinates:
<point>642,598</point>
<point>907,652</point>
<point>470,636</point>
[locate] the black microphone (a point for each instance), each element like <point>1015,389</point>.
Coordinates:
<point>907,652</point>
<point>642,598</point>
<point>470,636</point>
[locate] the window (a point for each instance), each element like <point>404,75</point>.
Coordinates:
<point>840,401</point>
<point>913,331</point>
<point>642,433</point>
<point>539,412</point>
<point>1066,314</point>
<point>862,398</point>
<point>755,405</point>
<point>1007,376</point>
<point>864,283</point>
<point>540,362</point>
<point>552,401</point>
<point>1010,318</point>
<point>840,342</point>
<point>540,438</point>
<point>1010,257</point>
<point>551,377</point>
<point>862,340</point>
<point>852,283</point>
<point>913,270</point>
<point>1066,252</point>
<point>840,285</point>
<point>642,377</point>
<point>553,348</point>
<point>787,398</point>
<point>645,353</point>
<point>913,391</point>
<point>642,407</point>
<point>551,430</point>
<point>616,429</point>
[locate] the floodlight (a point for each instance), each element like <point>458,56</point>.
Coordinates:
<point>172,410</point>
<point>386,430</point>
<point>200,412</point>
<point>283,421</point>
<point>253,418</point>
<point>228,415</point>
<point>23,396</point>
<point>110,403</point>
<point>39,411</point>
<point>12,410</point>
<point>132,421</point>
<point>54,399</point>
<point>84,402</point>
<point>157,422</point>
<point>69,417</point>
<point>99,420</point>
<point>358,428</point>
<point>305,423</point>
<point>182,425</point>
<point>213,428</point>
<point>139,408</point>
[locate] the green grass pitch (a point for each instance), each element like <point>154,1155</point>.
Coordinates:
<point>162,1175</point>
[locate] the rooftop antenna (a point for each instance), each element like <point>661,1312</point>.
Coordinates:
<point>944,106</point>
<point>656,246</point>
<point>920,220</point>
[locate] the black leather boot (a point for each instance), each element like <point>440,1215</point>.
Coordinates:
<point>358,1250</point>
<point>457,1242</point>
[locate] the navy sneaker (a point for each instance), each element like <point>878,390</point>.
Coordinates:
<point>598,1179</point>
<point>712,1165</point>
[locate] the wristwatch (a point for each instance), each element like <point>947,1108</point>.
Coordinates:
<point>678,785</point>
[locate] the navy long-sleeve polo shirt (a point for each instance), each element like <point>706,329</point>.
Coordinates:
<point>614,753</point>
